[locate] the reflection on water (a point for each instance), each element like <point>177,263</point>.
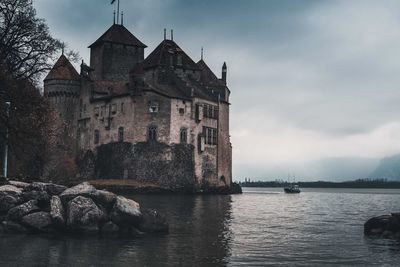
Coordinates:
<point>260,227</point>
<point>199,235</point>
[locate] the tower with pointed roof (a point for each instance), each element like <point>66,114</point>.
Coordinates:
<point>115,53</point>
<point>163,119</point>
<point>62,87</point>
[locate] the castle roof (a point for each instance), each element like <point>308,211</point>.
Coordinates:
<point>207,75</point>
<point>62,70</point>
<point>120,35</point>
<point>161,56</point>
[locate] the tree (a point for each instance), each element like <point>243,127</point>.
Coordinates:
<point>26,46</point>
<point>27,51</point>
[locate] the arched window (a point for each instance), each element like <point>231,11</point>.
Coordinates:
<point>152,133</point>
<point>96,137</point>
<point>183,135</point>
<point>121,134</point>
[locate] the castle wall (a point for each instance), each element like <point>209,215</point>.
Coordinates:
<point>144,118</point>
<point>112,62</point>
<point>224,145</point>
<point>158,163</point>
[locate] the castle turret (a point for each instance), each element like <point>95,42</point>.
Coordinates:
<point>224,72</point>
<point>62,87</point>
<point>114,54</point>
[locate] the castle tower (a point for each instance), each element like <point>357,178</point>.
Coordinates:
<point>114,54</point>
<point>62,87</point>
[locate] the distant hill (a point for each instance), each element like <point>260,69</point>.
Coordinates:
<point>388,168</point>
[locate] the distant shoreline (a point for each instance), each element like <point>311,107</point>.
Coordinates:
<point>361,183</point>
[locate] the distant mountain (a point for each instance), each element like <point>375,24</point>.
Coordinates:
<point>388,168</point>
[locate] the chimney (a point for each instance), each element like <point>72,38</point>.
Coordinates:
<point>172,35</point>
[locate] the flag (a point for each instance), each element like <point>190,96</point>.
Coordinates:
<point>112,2</point>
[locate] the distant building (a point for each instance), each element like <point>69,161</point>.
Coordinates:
<point>163,118</point>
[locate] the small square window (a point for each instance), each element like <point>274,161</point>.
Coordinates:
<point>114,109</point>
<point>181,111</point>
<point>153,107</point>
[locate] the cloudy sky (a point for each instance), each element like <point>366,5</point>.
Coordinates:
<point>315,84</point>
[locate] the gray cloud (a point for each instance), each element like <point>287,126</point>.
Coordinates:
<point>309,79</point>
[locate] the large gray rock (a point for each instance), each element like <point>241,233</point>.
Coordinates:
<point>104,198</point>
<point>18,212</point>
<point>13,227</point>
<point>126,212</point>
<point>19,184</point>
<point>57,212</point>
<point>84,189</point>
<point>51,189</point>
<point>10,189</point>
<point>41,196</point>
<point>385,225</point>
<point>10,196</point>
<point>38,221</point>
<point>84,215</point>
<point>153,222</point>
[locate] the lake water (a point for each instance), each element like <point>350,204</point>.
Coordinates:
<point>263,226</point>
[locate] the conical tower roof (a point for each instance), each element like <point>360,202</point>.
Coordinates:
<point>62,70</point>
<point>120,35</point>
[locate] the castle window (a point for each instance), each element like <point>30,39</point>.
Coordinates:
<point>84,108</point>
<point>199,112</point>
<point>200,143</point>
<point>210,135</point>
<point>122,107</point>
<point>103,111</point>
<point>153,107</point>
<point>152,133</point>
<point>96,111</point>
<point>121,134</point>
<point>181,111</point>
<point>96,137</point>
<point>210,111</point>
<point>183,135</point>
<point>114,109</point>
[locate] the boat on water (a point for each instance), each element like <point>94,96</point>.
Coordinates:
<point>292,189</point>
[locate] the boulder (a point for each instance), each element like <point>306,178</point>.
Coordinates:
<point>51,189</point>
<point>10,196</point>
<point>19,184</point>
<point>13,227</point>
<point>57,212</point>
<point>385,225</point>
<point>84,189</point>
<point>126,212</point>
<point>153,222</point>
<point>18,212</point>
<point>41,196</point>
<point>376,224</point>
<point>38,221</point>
<point>8,202</point>
<point>84,215</point>
<point>104,198</point>
<point>10,189</point>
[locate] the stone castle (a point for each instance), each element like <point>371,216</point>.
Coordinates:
<point>162,119</point>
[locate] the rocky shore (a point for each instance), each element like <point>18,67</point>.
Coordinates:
<point>50,208</point>
<point>387,226</point>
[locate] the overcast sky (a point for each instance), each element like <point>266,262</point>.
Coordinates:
<point>315,84</point>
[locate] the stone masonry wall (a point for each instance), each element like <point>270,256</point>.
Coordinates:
<point>169,166</point>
